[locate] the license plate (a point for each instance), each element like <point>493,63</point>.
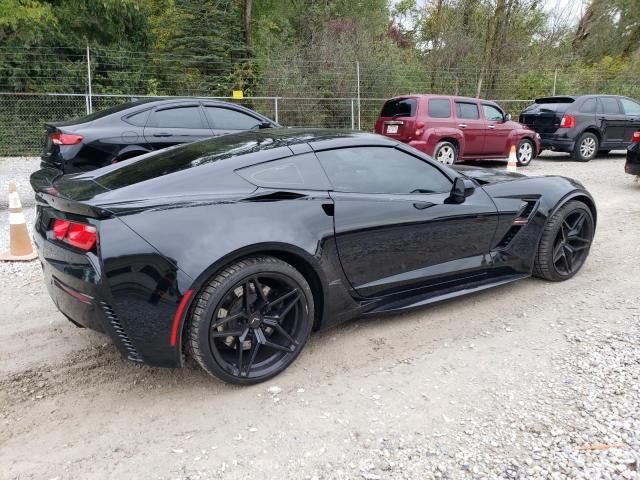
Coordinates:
<point>392,128</point>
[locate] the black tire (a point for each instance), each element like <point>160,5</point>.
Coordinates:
<point>560,237</point>
<point>586,147</point>
<point>248,322</point>
<point>525,152</point>
<point>445,152</point>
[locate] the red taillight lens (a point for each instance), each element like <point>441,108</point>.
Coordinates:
<point>568,121</point>
<point>636,136</point>
<point>419,127</point>
<point>60,228</point>
<point>75,234</point>
<point>65,138</point>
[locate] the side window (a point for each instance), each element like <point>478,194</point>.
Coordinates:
<point>439,108</point>
<point>138,119</point>
<point>589,106</point>
<point>228,119</point>
<point>178,117</point>
<point>609,105</point>
<point>301,172</point>
<point>467,110</point>
<point>492,113</point>
<point>630,107</point>
<point>381,170</point>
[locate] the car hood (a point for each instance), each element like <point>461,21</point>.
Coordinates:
<point>486,176</point>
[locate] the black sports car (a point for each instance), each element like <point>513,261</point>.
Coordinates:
<point>234,249</point>
<point>132,129</point>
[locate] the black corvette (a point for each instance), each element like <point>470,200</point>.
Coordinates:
<point>233,249</point>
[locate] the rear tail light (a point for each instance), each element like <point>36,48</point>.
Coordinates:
<point>419,127</point>
<point>77,235</point>
<point>568,121</point>
<point>65,138</point>
<point>636,136</point>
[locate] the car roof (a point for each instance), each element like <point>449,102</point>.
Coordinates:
<point>449,97</point>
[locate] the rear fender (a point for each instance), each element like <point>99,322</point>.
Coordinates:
<point>438,134</point>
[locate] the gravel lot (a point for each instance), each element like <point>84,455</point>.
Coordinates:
<point>530,380</point>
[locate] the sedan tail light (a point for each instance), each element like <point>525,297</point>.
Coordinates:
<point>65,138</point>
<point>636,136</point>
<point>76,234</point>
<point>568,121</point>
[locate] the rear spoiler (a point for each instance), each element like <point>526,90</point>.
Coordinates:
<point>43,184</point>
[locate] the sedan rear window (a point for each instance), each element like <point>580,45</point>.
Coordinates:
<point>439,108</point>
<point>399,107</point>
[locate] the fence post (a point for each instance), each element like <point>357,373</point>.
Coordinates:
<point>89,103</point>
<point>555,78</point>
<point>358,80</point>
<point>353,120</point>
<point>275,109</point>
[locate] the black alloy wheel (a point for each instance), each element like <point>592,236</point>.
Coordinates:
<point>565,242</point>
<point>252,320</point>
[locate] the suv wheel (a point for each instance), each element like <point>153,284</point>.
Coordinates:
<point>586,147</point>
<point>445,152</point>
<point>525,152</point>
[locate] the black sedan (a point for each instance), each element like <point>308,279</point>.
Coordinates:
<point>136,128</point>
<point>632,165</point>
<point>234,249</point>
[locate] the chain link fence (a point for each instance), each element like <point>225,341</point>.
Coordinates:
<point>43,85</point>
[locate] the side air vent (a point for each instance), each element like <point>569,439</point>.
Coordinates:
<point>511,233</point>
<point>132,353</point>
<point>526,213</point>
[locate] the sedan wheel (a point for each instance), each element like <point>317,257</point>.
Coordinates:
<point>525,153</point>
<point>252,320</point>
<point>586,147</point>
<point>445,152</point>
<point>565,243</point>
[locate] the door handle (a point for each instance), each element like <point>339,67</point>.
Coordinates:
<point>602,118</point>
<point>491,126</point>
<point>462,125</point>
<point>162,134</point>
<point>423,205</point>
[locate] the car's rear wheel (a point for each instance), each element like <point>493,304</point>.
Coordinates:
<point>565,242</point>
<point>251,320</point>
<point>445,152</point>
<point>586,148</point>
<point>525,152</point>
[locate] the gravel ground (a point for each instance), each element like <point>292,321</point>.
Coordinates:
<point>530,380</point>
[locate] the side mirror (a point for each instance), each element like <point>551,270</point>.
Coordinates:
<point>265,125</point>
<point>507,117</point>
<point>462,188</point>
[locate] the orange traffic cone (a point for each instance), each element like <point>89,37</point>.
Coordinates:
<point>20,247</point>
<point>512,165</point>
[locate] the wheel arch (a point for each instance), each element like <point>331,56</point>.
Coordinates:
<point>582,197</point>
<point>595,130</point>
<point>294,256</point>
<point>130,151</point>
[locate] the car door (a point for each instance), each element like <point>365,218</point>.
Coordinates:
<point>176,123</point>
<point>225,120</point>
<point>497,133</point>
<point>394,226</point>
<point>631,110</point>
<point>613,123</point>
<point>472,126</point>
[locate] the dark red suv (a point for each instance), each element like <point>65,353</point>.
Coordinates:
<point>452,129</point>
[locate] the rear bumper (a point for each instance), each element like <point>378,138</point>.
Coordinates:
<point>132,296</point>
<point>632,165</point>
<point>556,143</point>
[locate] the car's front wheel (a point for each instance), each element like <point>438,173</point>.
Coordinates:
<point>251,320</point>
<point>565,242</point>
<point>525,152</point>
<point>445,152</point>
<point>586,148</point>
